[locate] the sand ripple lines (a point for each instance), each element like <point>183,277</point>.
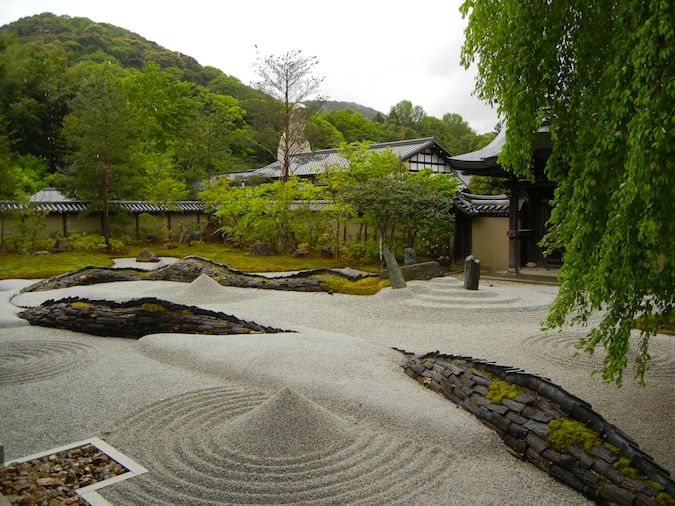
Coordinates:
<point>559,348</point>
<point>231,446</point>
<point>34,360</point>
<point>449,293</point>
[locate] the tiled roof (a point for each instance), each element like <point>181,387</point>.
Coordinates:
<point>310,164</point>
<point>482,205</point>
<point>486,158</point>
<point>76,206</point>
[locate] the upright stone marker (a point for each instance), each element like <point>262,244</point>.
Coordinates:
<point>410,257</point>
<point>395,274</point>
<point>471,273</point>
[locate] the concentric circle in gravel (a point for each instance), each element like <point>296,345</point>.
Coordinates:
<point>559,348</point>
<point>234,446</point>
<point>449,293</point>
<point>35,360</point>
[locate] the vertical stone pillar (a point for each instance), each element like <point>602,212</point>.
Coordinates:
<point>395,275</point>
<point>471,273</point>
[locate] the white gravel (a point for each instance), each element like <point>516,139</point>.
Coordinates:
<point>193,409</point>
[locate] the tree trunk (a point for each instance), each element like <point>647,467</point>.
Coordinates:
<point>106,216</point>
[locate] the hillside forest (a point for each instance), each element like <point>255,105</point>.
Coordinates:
<point>161,118</point>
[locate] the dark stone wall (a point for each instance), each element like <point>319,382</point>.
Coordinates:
<point>136,318</point>
<point>522,423</point>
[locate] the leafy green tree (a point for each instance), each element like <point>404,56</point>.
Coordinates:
<point>322,134</point>
<point>487,185</point>
<point>379,187</point>
<point>604,72</point>
<point>406,114</point>
<point>100,130</point>
<point>354,127</point>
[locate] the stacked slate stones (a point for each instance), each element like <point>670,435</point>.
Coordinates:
<point>136,318</point>
<point>525,423</point>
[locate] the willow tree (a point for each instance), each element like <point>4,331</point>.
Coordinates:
<point>603,70</point>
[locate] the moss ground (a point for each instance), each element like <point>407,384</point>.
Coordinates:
<point>367,286</point>
<point>42,266</point>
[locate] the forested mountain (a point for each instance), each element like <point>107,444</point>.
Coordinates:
<point>335,105</point>
<point>68,83</point>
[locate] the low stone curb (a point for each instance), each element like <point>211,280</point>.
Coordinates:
<point>522,423</point>
<point>136,318</point>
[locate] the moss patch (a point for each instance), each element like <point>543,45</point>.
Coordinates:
<point>664,499</point>
<point>366,286</point>
<point>566,433</point>
<point>500,390</point>
<point>81,305</point>
<point>158,308</point>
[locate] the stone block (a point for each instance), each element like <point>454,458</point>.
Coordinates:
<point>587,476</point>
<point>516,418</point>
<point>604,454</point>
<point>513,405</point>
<point>518,430</point>
<point>617,495</point>
<point>422,271</point>
<point>537,443</point>
<point>500,421</point>
<point>584,459</point>
<point>409,257</point>
<point>535,414</point>
<point>516,444</point>
<point>498,408</point>
<point>482,380</point>
<point>525,398</point>
<point>566,461</point>
<point>566,477</point>
<point>480,389</point>
<point>540,429</point>
<point>535,458</point>
<point>471,273</point>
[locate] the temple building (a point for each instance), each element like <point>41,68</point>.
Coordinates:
<point>527,205</point>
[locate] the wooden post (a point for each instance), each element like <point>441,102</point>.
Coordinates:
<point>514,242</point>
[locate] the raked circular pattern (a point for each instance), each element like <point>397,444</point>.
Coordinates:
<point>559,348</point>
<point>35,360</point>
<point>173,438</point>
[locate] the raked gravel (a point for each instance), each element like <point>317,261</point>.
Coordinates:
<point>193,409</point>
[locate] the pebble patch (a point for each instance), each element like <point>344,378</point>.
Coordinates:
<point>558,348</point>
<point>218,447</point>
<point>35,360</point>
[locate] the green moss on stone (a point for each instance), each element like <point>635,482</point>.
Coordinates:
<point>664,499</point>
<point>566,433</point>
<point>623,466</point>
<point>80,304</point>
<point>500,390</point>
<point>158,308</point>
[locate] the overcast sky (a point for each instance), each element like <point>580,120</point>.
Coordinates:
<point>375,53</point>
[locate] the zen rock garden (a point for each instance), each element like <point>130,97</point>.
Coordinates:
<point>231,435</point>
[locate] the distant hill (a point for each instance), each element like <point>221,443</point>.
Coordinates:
<point>333,105</point>
<point>81,38</point>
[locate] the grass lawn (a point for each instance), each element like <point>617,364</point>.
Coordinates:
<point>42,266</point>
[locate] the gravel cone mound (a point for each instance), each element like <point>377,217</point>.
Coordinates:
<point>285,426</point>
<point>203,289</point>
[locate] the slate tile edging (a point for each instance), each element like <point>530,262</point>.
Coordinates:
<point>523,426</point>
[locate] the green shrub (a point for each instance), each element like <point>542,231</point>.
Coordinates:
<point>82,241</point>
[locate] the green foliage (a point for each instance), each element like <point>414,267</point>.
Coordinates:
<point>82,241</point>
<point>322,134</point>
<point>379,187</point>
<point>500,390</point>
<point>366,286</point>
<point>354,127</point>
<point>486,185</point>
<point>664,499</point>
<point>406,114</point>
<point>277,213</point>
<point>604,73</point>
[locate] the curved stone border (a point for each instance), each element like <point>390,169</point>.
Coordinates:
<point>186,270</point>
<point>136,318</point>
<point>522,423</point>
